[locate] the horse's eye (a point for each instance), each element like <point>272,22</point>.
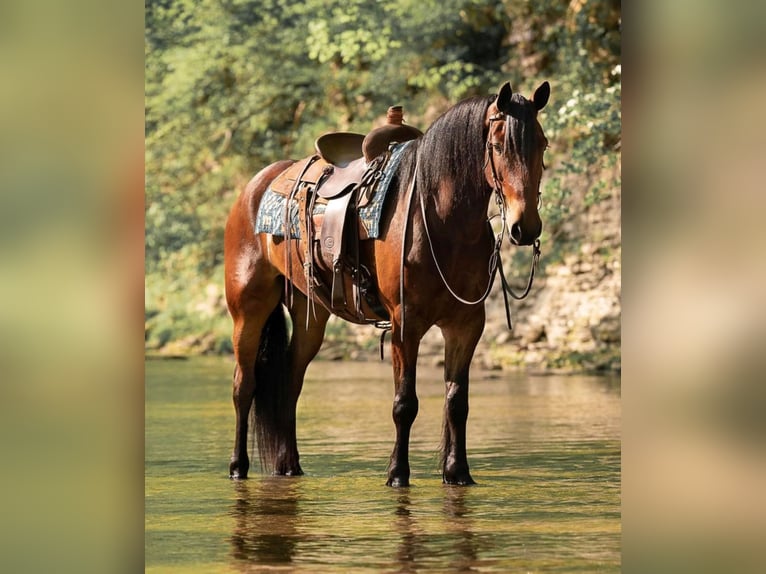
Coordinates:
<point>497,147</point>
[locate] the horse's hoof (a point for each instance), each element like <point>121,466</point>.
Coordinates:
<point>398,482</point>
<point>289,472</point>
<point>459,480</point>
<point>237,473</point>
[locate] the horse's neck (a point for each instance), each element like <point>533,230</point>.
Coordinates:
<point>458,220</point>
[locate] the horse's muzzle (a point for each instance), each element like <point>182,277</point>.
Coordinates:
<point>523,235</point>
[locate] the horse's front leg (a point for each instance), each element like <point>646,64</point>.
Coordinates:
<point>460,340</point>
<point>404,357</point>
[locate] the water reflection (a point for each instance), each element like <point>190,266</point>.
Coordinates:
<point>265,520</point>
<point>417,545</point>
<point>272,518</point>
<point>460,527</point>
<point>410,547</point>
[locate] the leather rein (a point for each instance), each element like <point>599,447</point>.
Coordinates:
<point>495,262</point>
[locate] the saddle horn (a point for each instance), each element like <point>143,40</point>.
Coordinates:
<point>395,130</point>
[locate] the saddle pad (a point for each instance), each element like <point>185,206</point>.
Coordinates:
<point>271,213</point>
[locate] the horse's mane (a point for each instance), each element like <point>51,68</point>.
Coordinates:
<point>453,148</point>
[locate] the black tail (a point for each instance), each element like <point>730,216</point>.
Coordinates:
<point>270,403</point>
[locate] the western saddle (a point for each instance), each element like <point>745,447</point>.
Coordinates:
<point>342,175</point>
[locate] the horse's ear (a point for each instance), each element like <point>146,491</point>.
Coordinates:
<point>504,98</point>
<point>541,95</point>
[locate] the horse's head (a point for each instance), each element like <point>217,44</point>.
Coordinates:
<point>514,166</point>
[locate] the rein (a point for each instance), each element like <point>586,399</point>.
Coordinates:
<point>495,263</point>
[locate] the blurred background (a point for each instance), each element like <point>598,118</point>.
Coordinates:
<point>231,86</point>
<point>694,396</point>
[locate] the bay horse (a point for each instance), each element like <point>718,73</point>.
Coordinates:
<point>430,265</point>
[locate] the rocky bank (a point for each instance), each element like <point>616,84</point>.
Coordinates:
<point>572,319</point>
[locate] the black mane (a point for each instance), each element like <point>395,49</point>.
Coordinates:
<point>453,148</point>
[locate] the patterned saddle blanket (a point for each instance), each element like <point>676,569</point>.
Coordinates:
<point>271,213</point>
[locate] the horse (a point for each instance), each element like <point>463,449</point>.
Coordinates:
<point>429,265</point>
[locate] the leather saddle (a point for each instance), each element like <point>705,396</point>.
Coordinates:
<point>330,237</point>
<point>342,175</point>
<point>336,169</point>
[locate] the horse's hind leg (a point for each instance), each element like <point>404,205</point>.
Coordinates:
<point>461,338</point>
<point>250,312</point>
<point>304,345</point>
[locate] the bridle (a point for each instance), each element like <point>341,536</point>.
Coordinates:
<point>495,262</point>
<point>500,201</point>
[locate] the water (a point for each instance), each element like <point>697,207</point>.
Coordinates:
<point>544,450</point>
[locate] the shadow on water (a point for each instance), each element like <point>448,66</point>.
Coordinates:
<point>410,547</point>
<point>460,526</point>
<point>413,547</point>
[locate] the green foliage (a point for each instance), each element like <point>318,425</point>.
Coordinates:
<point>233,85</point>
<point>583,119</point>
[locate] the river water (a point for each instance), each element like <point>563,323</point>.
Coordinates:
<point>544,450</point>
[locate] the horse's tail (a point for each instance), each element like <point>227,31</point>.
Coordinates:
<point>270,402</point>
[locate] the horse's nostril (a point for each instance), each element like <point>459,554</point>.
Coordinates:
<point>516,232</point>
